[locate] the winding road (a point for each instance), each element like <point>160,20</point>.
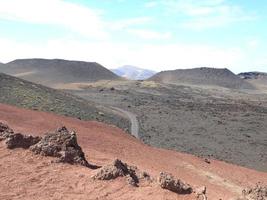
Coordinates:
<point>132,118</point>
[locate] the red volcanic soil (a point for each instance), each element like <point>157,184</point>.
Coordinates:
<point>24,175</point>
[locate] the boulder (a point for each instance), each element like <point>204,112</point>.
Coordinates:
<point>18,140</point>
<point>167,181</point>
<point>63,145</point>
<point>120,169</point>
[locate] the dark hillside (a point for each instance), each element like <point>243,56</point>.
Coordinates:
<point>253,75</point>
<point>57,71</point>
<point>25,94</point>
<point>202,76</point>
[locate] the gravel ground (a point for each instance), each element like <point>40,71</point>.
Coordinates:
<point>228,125</point>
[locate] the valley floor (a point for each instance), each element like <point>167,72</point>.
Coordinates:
<point>212,122</point>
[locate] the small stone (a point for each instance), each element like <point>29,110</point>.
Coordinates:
<point>207,160</point>
<point>200,190</point>
<point>101,113</point>
<point>201,193</point>
<point>201,197</point>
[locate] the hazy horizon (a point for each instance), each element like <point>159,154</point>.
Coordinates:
<point>155,34</point>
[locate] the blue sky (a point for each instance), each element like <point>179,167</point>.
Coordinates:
<point>154,34</point>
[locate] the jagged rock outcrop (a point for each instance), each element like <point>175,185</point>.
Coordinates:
<point>259,192</point>
<point>18,140</point>
<point>167,181</point>
<point>63,145</point>
<point>120,169</point>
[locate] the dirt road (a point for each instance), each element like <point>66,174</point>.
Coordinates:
<point>132,118</point>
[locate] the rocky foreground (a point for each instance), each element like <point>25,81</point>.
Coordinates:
<point>64,165</point>
<point>62,144</point>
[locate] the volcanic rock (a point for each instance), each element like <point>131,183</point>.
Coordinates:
<point>167,181</point>
<point>259,192</point>
<point>63,145</point>
<point>120,169</point>
<point>18,140</point>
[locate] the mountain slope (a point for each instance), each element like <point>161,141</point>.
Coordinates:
<point>25,94</point>
<point>28,176</point>
<point>253,75</point>
<point>133,73</point>
<point>57,71</point>
<point>257,79</point>
<point>203,76</point>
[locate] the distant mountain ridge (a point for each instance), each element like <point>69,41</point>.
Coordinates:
<point>133,73</point>
<point>252,75</point>
<point>53,71</point>
<point>257,79</point>
<point>203,76</point>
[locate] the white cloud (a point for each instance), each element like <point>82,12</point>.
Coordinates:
<point>202,23</point>
<point>88,22</point>
<point>55,12</point>
<point>150,35</point>
<point>253,43</point>
<point>206,13</point>
<point>151,4</point>
<point>217,16</point>
<point>111,55</point>
<point>125,23</point>
<point>74,17</point>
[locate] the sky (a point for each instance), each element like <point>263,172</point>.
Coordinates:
<point>153,34</point>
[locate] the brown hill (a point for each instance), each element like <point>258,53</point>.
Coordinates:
<point>257,79</point>
<point>253,75</point>
<point>28,176</point>
<point>57,71</point>
<point>202,76</point>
